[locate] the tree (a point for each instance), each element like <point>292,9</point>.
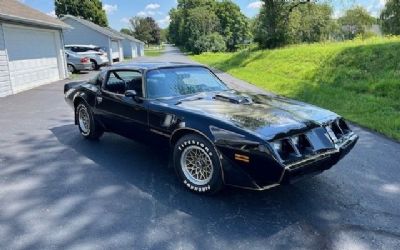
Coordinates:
<point>91,10</point>
<point>186,14</point>
<point>140,29</point>
<point>164,35</point>
<point>310,23</point>
<point>145,29</point>
<point>155,31</point>
<point>126,31</point>
<point>176,27</point>
<point>272,24</point>
<point>200,22</point>
<point>390,17</point>
<point>195,19</point>
<point>355,22</point>
<point>235,27</point>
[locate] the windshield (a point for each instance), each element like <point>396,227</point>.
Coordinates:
<point>172,82</point>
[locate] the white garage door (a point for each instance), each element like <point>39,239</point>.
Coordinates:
<point>33,56</point>
<point>115,49</point>
<point>134,50</point>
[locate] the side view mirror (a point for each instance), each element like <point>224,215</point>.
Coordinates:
<point>131,93</point>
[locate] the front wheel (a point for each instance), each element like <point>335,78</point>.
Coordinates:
<point>197,164</point>
<point>86,123</point>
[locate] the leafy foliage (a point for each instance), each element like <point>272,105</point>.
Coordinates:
<point>234,26</point>
<point>390,17</point>
<point>282,22</point>
<point>200,23</point>
<point>164,35</point>
<point>310,23</point>
<point>356,21</point>
<point>91,10</point>
<point>126,31</point>
<point>145,29</point>
<point>212,42</point>
<point>273,22</point>
<point>195,19</point>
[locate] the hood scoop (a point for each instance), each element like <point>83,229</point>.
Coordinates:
<point>232,98</point>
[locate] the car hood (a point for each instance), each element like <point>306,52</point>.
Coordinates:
<point>267,115</point>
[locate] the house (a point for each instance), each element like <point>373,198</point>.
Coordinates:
<point>131,46</point>
<point>31,48</point>
<point>86,32</point>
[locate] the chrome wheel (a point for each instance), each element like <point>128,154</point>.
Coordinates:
<point>84,120</point>
<point>196,165</point>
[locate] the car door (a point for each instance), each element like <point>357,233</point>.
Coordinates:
<point>126,116</point>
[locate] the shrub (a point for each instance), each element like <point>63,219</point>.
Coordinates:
<point>209,43</point>
<point>366,35</point>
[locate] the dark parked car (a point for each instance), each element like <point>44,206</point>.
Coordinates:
<point>217,136</point>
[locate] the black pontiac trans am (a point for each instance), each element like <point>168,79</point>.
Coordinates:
<point>217,136</point>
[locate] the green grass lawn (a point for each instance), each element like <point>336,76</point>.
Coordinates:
<point>154,51</point>
<point>359,80</point>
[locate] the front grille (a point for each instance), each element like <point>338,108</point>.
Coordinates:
<point>303,145</point>
<point>294,148</point>
<point>339,128</point>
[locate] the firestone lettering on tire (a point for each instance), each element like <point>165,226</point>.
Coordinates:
<point>182,146</point>
<point>195,188</point>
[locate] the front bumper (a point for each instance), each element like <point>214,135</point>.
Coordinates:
<point>102,61</point>
<point>291,173</point>
<point>83,66</point>
<point>321,162</point>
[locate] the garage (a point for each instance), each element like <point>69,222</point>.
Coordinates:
<point>31,50</point>
<point>130,45</point>
<point>37,65</point>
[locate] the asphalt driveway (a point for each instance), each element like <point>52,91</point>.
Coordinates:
<point>58,191</point>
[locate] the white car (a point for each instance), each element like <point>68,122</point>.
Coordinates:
<point>98,57</point>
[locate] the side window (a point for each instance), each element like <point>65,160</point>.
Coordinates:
<point>74,49</point>
<point>120,81</point>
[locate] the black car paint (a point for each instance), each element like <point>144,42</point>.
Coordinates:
<point>236,123</point>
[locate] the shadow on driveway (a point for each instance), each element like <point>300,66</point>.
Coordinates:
<point>159,212</point>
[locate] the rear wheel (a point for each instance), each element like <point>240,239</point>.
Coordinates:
<point>197,164</point>
<point>71,68</point>
<point>88,127</point>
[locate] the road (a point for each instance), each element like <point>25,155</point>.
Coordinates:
<point>58,191</point>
